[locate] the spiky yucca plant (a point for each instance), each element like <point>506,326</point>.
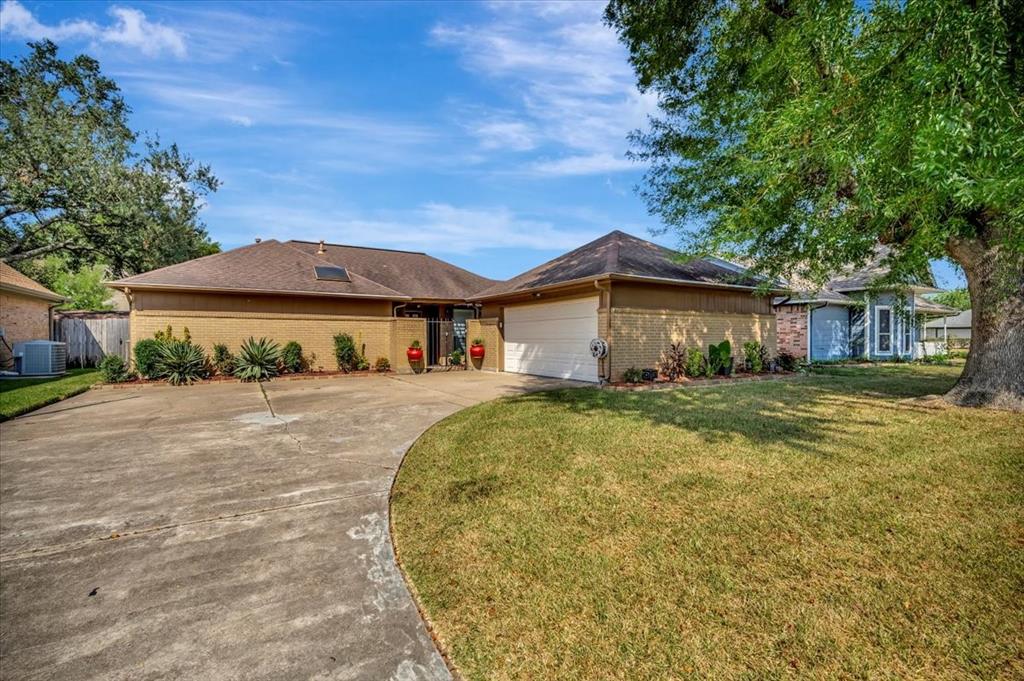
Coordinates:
<point>181,362</point>
<point>257,360</point>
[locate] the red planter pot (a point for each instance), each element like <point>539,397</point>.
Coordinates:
<point>414,354</point>
<point>476,351</point>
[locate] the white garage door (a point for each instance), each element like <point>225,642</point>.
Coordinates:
<point>552,339</point>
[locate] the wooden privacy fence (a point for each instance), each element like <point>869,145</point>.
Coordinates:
<point>90,336</point>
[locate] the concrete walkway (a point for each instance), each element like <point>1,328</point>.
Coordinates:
<point>219,531</point>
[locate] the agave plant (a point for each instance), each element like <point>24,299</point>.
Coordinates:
<point>181,362</point>
<point>257,360</point>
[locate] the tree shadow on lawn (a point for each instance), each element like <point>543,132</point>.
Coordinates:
<point>805,413</point>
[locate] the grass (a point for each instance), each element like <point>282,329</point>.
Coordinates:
<point>21,395</point>
<point>829,527</point>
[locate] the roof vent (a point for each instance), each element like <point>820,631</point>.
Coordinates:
<point>258,239</point>
<point>321,250</point>
<point>331,273</point>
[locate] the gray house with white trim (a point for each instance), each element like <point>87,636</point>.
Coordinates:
<point>844,319</point>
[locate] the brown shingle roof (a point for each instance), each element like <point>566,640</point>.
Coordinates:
<point>618,253</point>
<point>269,266</point>
<point>13,280</point>
<point>417,275</point>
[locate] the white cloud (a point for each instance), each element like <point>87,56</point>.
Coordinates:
<point>432,227</point>
<point>504,134</point>
<point>134,30</point>
<point>130,28</point>
<point>243,121</point>
<point>576,89</point>
<point>589,164</point>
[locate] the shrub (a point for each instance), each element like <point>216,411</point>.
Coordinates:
<point>719,359</point>
<point>223,360</point>
<point>786,361</point>
<point>147,353</point>
<point>167,335</point>
<point>181,362</point>
<point>415,344</point>
<point>633,375</point>
<point>363,364</point>
<point>382,364</point>
<point>114,370</point>
<point>478,341</point>
<point>291,357</point>
<point>456,358</point>
<point>752,353</point>
<point>257,359</point>
<point>348,355</point>
<point>693,365</point>
<point>674,363</point>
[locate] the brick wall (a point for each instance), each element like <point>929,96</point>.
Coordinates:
<point>494,349</point>
<point>640,337</point>
<point>791,321</point>
<point>375,336</point>
<point>24,318</point>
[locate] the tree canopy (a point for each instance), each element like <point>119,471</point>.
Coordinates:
<point>76,181</point>
<point>957,297</point>
<point>801,134</point>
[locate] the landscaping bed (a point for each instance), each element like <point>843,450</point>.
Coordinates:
<point>22,395</point>
<point>842,527</point>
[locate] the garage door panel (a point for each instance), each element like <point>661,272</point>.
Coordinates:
<point>552,339</point>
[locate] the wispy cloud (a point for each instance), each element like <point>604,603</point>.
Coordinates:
<point>130,28</point>
<point>578,97</point>
<point>434,227</point>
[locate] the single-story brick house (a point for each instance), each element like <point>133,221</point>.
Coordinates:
<point>630,292</point>
<point>25,310</point>
<point>845,319</point>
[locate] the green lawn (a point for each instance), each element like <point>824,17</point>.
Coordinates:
<point>829,527</point>
<point>20,395</point>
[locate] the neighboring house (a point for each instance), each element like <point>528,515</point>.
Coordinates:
<point>25,310</point>
<point>956,327</point>
<point>630,292</point>
<point>844,319</point>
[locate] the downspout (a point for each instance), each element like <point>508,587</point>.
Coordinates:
<point>607,377</point>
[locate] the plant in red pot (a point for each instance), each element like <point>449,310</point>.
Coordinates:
<point>476,348</point>
<point>415,352</point>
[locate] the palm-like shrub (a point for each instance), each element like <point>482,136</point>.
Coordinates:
<point>257,360</point>
<point>181,362</point>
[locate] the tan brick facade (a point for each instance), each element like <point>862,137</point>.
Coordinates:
<point>494,349</point>
<point>792,329</point>
<point>23,318</point>
<point>376,336</point>
<point>639,338</point>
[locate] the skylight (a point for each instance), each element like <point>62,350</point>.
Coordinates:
<point>331,273</point>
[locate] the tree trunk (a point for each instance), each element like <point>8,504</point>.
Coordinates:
<point>994,374</point>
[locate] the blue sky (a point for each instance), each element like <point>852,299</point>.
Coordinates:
<point>491,135</point>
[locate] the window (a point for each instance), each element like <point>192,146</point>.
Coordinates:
<point>908,336</point>
<point>883,330</point>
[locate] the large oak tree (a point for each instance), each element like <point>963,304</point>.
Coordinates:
<point>802,134</point>
<point>76,181</point>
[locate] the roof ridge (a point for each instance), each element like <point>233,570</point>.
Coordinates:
<point>365,248</point>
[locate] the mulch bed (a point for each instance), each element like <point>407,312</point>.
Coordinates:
<point>665,384</point>
<point>310,376</point>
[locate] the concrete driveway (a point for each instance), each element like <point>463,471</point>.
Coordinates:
<point>220,531</point>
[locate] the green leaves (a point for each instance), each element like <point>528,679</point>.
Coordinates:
<point>181,362</point>
<point>74,184</point>
<point>258,360</point>
<point>800,135</point>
